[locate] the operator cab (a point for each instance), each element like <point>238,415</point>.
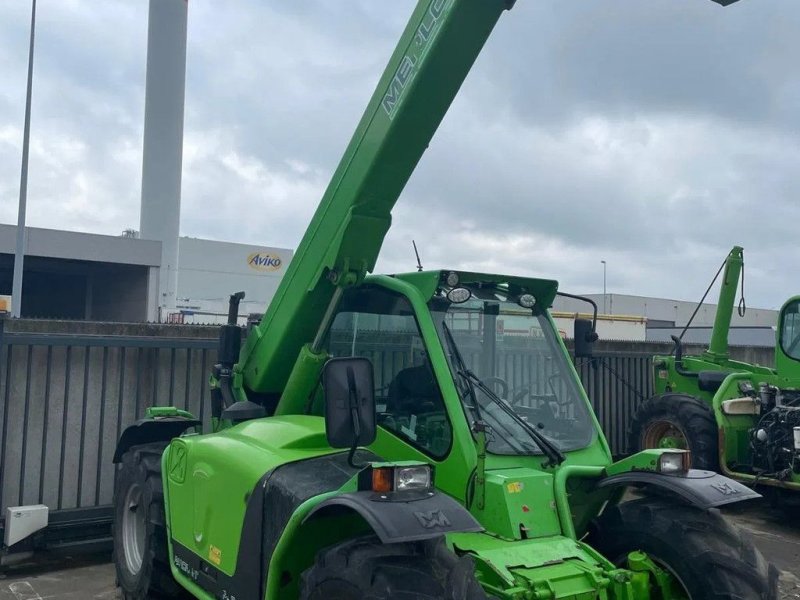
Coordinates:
<point>507,339</point>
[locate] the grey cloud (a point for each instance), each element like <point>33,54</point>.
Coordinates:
<point>653,135</point>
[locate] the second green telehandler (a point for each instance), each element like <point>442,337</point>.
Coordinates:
<point>739,418</point>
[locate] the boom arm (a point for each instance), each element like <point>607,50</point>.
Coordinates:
<point>434,55</point>
<point>718,348</point>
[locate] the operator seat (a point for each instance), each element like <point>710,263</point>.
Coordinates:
<point>413,391</point>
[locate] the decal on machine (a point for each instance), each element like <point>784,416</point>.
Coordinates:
<point>185,568</point>
<point>214,555</point>
<point>726,489</point>
<point>406,71</point>
<point>515,487</point>
<point>177,462</point>
<point>434,518</point>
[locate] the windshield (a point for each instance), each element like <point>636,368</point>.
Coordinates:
<point>516,353</point>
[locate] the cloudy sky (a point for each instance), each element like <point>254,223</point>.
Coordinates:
<point>653,134</point>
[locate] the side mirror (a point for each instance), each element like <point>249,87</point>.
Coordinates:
<point>585,337</point>
<point>350,419</point>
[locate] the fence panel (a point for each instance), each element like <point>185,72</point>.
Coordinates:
<point>67,398</point>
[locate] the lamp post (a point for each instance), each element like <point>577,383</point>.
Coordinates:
<point>604,286</point>
<point>19,255</point>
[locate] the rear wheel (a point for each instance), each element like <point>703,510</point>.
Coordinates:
<point>141,557</point>
<point>366,568</point>
<point>708,558</point>
<point>677,421</point>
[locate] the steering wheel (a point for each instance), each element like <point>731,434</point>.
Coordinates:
<point>526,391</point>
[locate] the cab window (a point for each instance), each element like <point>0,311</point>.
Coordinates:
<point>379,324</point>
<point>790,330</point>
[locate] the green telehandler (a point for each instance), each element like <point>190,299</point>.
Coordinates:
<point>738,418</point>
<point>421,435</point>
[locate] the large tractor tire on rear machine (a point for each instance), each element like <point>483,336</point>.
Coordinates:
<point>710,558</point>
<point>675,420</point>
<point>141,555</point>
<point>366,568</point>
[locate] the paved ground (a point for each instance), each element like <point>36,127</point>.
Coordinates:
<point>92,578</point>
<point>777,535</point>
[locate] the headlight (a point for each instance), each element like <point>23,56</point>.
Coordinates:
<point>412,478</point>
<point>452,279</point>
<point>459,295</point>
<point>385,480</point>
<point>526,301</point>
<point>675,462</point>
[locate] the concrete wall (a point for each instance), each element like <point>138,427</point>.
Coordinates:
<point>119,293</point>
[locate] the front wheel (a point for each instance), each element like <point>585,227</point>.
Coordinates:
<point>140,539</point>
<point>675,420</point>
<point>366,568</point>
<point>708,558</point>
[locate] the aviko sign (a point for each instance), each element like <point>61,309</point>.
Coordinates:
<point>263,261</point>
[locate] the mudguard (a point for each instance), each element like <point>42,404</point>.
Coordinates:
<point>146,431</point>
<point>397,521</point>
<point>704,489</point>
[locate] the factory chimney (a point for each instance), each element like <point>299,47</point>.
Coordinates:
<point>163,142</point>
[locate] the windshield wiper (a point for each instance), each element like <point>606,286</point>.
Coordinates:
<point>553,453</point>
<point>461,366</point>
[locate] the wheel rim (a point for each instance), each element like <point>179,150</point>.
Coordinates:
<point>664,434</point>
<point>134,529</point>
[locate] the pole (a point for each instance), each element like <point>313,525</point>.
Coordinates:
<point>604,286</point>
<point>19,256</point>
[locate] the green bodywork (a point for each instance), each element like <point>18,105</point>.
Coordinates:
<point>534,514</point>
<point>734,430</point>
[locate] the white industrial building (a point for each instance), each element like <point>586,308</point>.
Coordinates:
<point>665,317</point>
<point>209,272</point>
<point>72,275</point>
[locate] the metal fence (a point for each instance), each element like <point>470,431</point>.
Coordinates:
<point>616,383</point>
<point>66,399</point>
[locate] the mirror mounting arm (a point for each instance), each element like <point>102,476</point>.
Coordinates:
<point>587,300</point>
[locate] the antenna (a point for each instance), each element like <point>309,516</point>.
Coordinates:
<point>419,262</point>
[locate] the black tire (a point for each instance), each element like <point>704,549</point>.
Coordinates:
<point>138,488</point>
<point>712,559</point>
<point>692,417</point>
<point>366,568</point>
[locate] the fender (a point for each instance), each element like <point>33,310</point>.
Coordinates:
<point>704,489</point>
<point>148,430</point>
<point>397,521</point>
